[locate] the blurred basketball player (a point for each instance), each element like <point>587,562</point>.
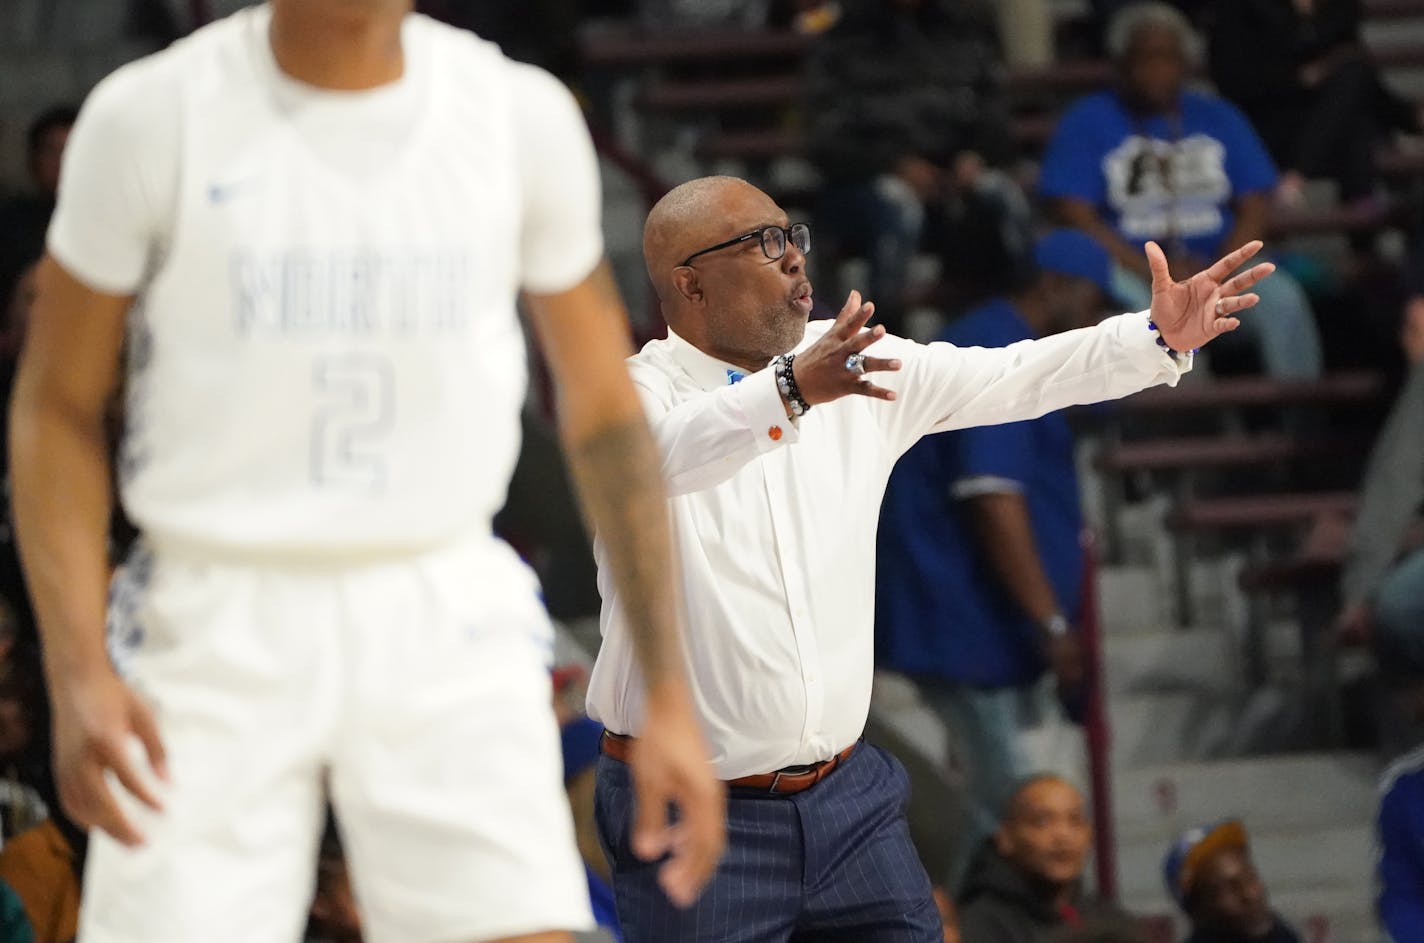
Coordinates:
<point>308,224</point>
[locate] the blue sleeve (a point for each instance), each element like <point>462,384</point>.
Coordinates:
<point>1073,164</point>
<point>1401,863</point>
<point>1248,165</point>
<point>1004,451</point>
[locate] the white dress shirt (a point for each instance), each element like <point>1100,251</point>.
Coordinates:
<point>774,522</point>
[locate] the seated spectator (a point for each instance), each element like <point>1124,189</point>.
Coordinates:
<point>1210,874</point>
<point>1382,583</point>
<point>1401,850</point>
<point>1302,75</point>
<point>44,867</point>
<point>980,574</point>
<point>907,116</point>
<point>1027,885</point>
<point>334,917</point>
<point>25,218</point>
<point>1152,160</point>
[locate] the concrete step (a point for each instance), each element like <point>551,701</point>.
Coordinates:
<point>1302,861</point>
<point>1273,794</point>
<point>1131,600</point>
<point>1155,729</point>
<point>1198,659</point>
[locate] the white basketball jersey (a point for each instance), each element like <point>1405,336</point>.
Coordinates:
<point>325,356</point>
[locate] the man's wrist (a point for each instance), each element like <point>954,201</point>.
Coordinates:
<point>1055,625</point>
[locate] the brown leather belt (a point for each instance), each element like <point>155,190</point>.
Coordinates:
<point>784,782</point>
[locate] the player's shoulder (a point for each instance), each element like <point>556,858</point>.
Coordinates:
<point>143,87</point>
<point>470,61</point>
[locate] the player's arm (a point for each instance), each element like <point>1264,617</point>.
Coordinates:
<point>1006,538</point>
<point>616,470</point>
<point>60,477</point>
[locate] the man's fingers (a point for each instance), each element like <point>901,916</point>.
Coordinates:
<point>1248,278</point>
<point>1157,262</point>
<point>146,729</point>
<point>864,339</point>
<point>848,310</point>
<point>1237,303</point>
<point>651,832</point>
<point>866,388</point>
<point>874,364</point>
<point>100,810</point>
<point>697,845</point>
<point>126,770</point>
<point>851,330</point>
<point>1222,269</point>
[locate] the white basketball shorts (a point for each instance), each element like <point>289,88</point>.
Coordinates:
<point>415,694</point>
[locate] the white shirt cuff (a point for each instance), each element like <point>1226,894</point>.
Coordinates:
<point>758,402</point>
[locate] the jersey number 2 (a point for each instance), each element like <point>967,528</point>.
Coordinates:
<point>356,403</point>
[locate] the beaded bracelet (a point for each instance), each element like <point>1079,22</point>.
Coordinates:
<point>786,383</point>
<point>1152,326</point>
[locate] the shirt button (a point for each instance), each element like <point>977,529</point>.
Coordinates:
<point>774,433</point>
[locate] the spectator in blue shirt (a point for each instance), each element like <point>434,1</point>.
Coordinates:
<point>980,571</point>
<point>1401,850</point>
<point>1153,160</point>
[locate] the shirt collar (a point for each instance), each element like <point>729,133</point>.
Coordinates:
<point>706,371</point>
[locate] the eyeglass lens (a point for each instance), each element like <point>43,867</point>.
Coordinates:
<point>773,240</point>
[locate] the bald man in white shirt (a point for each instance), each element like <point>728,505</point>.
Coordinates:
<point>777,445</point>
<point>308,225</point>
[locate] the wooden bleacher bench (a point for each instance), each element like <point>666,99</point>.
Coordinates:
<point>1183,454</point>
<point>636,47</point>
<point>1260,511</point>
<point>1289,573</point>
<point>772,92</point>
<point>1355,386</point>
<point>1393,9</point>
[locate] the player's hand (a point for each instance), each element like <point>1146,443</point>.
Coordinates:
<point>96,719</point>
<point>670,767</point>
<point>820,370</point>
<point>1190,313</point>
<point>1069,662</point>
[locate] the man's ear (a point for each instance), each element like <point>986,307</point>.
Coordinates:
<point>688,283</point>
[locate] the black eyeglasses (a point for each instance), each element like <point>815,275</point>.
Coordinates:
<point>773,241</point>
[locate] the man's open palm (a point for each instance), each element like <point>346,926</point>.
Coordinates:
<point>1189,314</point>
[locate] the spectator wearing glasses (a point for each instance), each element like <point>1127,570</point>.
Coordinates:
<point>777,439</point>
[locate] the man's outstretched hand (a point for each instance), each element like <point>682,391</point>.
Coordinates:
<point>1189,314</point>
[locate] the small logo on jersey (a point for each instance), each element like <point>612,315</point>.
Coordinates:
<point>735,376</point>
<point>223,192</point>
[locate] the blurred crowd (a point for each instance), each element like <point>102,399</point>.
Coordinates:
<point>1199,145</point>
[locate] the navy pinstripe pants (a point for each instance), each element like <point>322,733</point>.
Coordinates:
<point>833,863</point>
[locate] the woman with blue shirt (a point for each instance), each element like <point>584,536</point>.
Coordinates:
<point>1151,159</point>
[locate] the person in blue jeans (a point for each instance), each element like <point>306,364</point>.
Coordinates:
<point>1151,159</point>
<point>980,572</point>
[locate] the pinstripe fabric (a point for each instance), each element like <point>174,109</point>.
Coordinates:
<point>832,863</point>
